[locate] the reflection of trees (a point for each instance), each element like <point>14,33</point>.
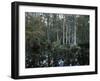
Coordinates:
<point>52,39</point>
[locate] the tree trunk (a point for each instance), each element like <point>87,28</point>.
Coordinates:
<point>75,31</point>
<point>66,29</point>
<point>63,30</point>
<point>48,27</point>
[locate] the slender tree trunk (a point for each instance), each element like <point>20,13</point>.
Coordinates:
<point>57,35</point>
<point>66,29</point>
<point>75,31</point>
<point>48,38</point>
<point>63,30</point>
<point>57,27</point>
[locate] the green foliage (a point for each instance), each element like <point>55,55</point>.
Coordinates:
<point>83,29</point>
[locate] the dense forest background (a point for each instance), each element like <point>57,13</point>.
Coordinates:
<point>56,40</point>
